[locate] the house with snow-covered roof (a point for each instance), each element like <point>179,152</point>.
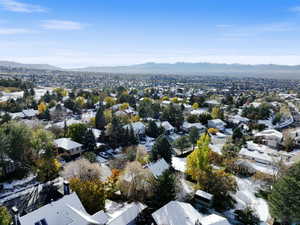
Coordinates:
<point>68,146</point>
<point>181,213</point>
<point>158,168</point>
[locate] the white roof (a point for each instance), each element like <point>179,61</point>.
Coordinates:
<point>66,211</point>
<point>29,112</point>
<point>204,194</point>
<point>167,126</point>
<point>124,214</point>
<point>176,213</point>
<point>198,111</point>
<point>217,121</point>
<point>138,127</point>
<point>157,168</point>
<point>187,125</point>
<point>270,133</point>
<point>96,132</point>
<point>66,144</point>
<point>214,219</point>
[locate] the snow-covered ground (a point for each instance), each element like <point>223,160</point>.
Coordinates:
<point>245,196</point>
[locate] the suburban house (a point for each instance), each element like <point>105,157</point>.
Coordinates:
<point>157,168</point>
<point>139,128</point>
<point>186,126</point>
<point>203,199</point>
<point>167,126</point>
<point>269,137</point>
<point>181,213</point>
<point>216,123</point>
<point>69,211</point>
<point>262,153</point>
<point>68,146</point>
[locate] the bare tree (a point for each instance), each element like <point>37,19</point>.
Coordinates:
<point>136,182</point>
<point>82,169</point>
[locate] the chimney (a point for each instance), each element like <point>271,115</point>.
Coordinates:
<point>15,212</point>
<point>66,187</point>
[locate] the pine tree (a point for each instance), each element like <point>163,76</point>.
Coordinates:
<point>193,136</point>
<point>89,141</point>
<point>153,130</point>
<point>284,200</point>
<point>162,149</point>
<point>100,119</point>
<point>164,189</point>
<point>133,139</point>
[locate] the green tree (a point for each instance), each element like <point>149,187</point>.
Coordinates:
<point>173,115</point>
<point>164,189</point>
<point>19,136</point>
<point>41,141</point>
<point>153,130</point>
<point>182,143</point>
<point>284,200</point>
<point>100,118</point>
<point>77,132</point>
<point>90,156</point>
<point>115,133</point>
<point>5,217</point>
<point>194,136</point>
<point>89,141</point>
<point>161,149</point>
<point>247,216</point>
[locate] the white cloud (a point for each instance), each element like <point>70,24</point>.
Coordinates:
<point>9,31</point>
<point>61,25</point>
<point>15,6</point>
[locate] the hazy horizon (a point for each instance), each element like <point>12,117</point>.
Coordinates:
<point>73,34</point>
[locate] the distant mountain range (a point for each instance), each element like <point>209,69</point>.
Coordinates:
<point>28,66</point>
<point>264,70</point>
<point>193,68</point>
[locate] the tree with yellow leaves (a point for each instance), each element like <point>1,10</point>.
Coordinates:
<point>198,161</point>
<point>47,169</point>
<point>91,193</point>
<point>80,101</point>
<point>217,113</point>
<point>42,107</point>
<point>195,105</point>
<point>109,101</point>
<point>124,106</point>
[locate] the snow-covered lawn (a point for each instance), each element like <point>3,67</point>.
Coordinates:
<point>245,196</point>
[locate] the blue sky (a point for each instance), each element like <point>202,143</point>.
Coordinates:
<point>121,32</point>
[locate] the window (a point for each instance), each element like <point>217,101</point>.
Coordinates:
<point>41,222</point>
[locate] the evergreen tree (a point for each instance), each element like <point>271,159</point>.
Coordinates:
<point>116,136</point>
<point>194,136</point>
<point>162,149</point>
<point>133,139</point>
<point>100,119</point>
<point>284,200</point>
<point>153,130</point>
<point>173,115</point>
<point>89,142</point>
<point>247,216</point>
<point>164,189</point>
